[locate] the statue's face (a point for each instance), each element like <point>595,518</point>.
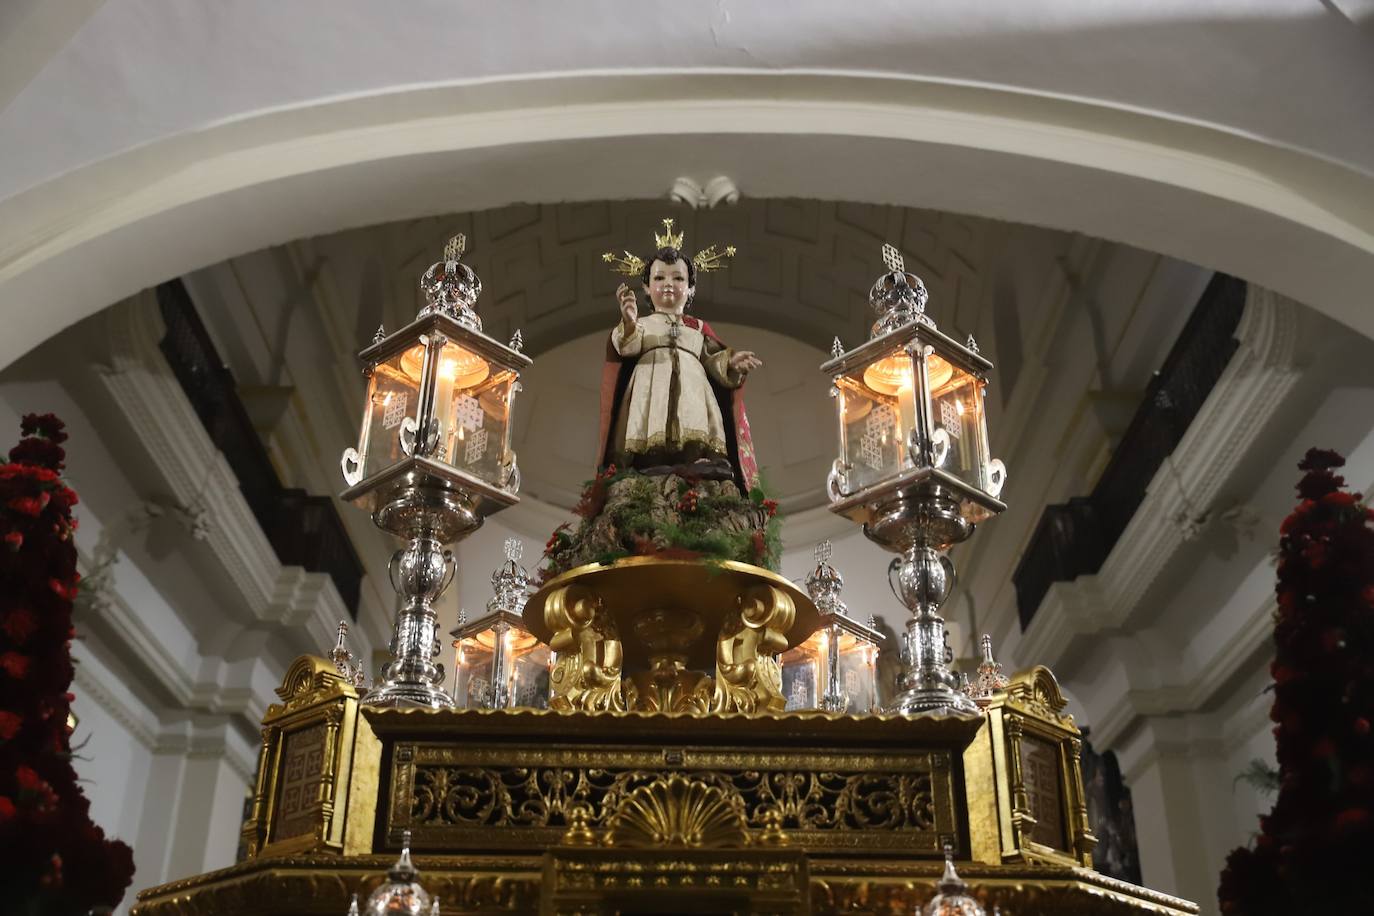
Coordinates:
<point>668,289</point>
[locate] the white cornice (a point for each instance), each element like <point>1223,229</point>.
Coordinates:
<point>1258,378</point>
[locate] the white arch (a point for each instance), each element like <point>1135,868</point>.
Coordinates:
<point>1289,220</point>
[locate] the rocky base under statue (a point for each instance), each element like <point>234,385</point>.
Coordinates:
<point>627,513</point>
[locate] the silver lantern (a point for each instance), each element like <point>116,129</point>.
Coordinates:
<point>913,467</point>
<point>433,458</point>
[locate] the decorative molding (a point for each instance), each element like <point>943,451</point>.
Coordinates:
<point>1181,500</point>
<point>143,388</point>
<point>1255,383</point>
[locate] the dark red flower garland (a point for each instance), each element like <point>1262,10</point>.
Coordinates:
<point>53,860</point>
<point>1313,848</point>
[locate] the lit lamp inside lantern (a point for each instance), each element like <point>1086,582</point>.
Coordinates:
<point>433,459</point>
<point>439,399</point>
<point>835,669</point>
<point>498,664</point>
<point>910,401</point>
<point>913,468</point>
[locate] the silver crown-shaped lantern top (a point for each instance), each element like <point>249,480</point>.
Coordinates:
<point>498,663</point>
<point>433,458</point>
<point>451,287</point>
<point>913,466</point>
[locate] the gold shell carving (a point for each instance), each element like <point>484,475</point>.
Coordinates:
<point>676,811</point>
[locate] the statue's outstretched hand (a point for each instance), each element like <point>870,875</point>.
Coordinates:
<point>629,306</point>
<point>745,362</point>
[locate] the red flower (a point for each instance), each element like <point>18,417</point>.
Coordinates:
<point>62,590</point>
<point>19,624</point>
<point>28,779</point>
<point>1361,726</point>
<point>14,540</point>
<point>7,809</point>
<point>1324,748</point>
<point>29,505</point>
<point>49,427</point>
<point>9,725</point>
<point>15,665</point>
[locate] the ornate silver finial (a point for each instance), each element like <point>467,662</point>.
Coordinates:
<point>953,897</point>
<point>899,297</point>
<point>353,907</point>
<point>510,583</point>
<point>990,675</point>
<point>893,258</point>
<point>451,287</point>
<point>462,617</point>
<point>517,341</point>
<point>401,893</point>
<point>342,657</point>
<point>824,583</point>
<point>836,348</point>
<point>873,622</point>
<point>380,335</point>
<point>972,344</point>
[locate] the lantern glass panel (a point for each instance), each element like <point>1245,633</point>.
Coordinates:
<point>392,396</point>
<point>530,676</point>
<point>801,676</point>
<point>956,406</point>
<point>523,678</point>
<point>472,407</point>
<point>877,411</point>
<point>806,669</point>
<point>473,674</point>
<point>858,673</point>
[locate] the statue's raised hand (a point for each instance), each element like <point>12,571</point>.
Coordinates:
<point>629,306</point>
<point>744,362</point>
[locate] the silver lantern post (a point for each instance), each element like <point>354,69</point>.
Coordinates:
<point>433,459</point>
<point>913,468</point>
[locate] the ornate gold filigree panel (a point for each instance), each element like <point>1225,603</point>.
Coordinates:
<point>522,796</point>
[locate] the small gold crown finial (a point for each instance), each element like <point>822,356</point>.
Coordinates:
<point>893,259</point>
<point>667,239</point>
<point>455,247</point>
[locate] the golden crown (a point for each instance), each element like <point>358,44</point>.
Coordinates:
<point>706,260</point>
<point>667,239</point>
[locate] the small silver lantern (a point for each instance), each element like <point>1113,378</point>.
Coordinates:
<point>498,662</point>
<point>835,669</point>
<point>401,894</point>
<point>433,458</point>
<point>913,466</point>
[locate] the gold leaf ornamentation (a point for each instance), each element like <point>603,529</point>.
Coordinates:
<point>677,811</point>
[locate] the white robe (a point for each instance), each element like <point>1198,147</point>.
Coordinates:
<point>653,415</point>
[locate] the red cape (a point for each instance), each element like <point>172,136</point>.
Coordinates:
<point>615,378</point>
